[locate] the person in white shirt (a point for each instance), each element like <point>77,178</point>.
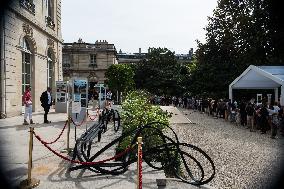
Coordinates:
<point>276,107</point>
<point>46,102</point>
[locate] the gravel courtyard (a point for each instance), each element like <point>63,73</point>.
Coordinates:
<point>242,159</point>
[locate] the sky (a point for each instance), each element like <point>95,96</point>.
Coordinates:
<point>134,24</point>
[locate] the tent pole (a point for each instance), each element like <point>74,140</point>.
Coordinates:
<point>282,96</point>
<point>231,93</point>
<point>276,94</point>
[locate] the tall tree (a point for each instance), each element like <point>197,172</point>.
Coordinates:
<point>120,78</point>
<point>240,33</point>
<point>159,73</point>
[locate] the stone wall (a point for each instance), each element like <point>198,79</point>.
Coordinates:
<point>20,23</point>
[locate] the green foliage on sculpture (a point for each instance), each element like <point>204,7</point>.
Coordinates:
<point>137,111</point>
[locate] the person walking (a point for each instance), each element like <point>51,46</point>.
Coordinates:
<point>46,102</point>
<point>27,100</point>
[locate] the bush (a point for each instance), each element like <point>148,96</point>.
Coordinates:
<point>137,111</point>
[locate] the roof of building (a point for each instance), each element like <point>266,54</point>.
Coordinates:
<point>260,77</point>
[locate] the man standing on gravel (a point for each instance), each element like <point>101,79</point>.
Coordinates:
<point>46,102</point>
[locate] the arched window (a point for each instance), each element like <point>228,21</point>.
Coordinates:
<point>26,65</point>
<point>49,69</point>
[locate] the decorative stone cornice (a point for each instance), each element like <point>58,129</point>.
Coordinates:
<point>49,22</point>
<point>92,76</point>
<point>28,5</point>
<point>33,22</point>
<point>28,29</point>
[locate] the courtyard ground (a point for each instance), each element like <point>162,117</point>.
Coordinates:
<point>243,159</point>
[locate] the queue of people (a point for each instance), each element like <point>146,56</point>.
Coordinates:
<point>264,117</point>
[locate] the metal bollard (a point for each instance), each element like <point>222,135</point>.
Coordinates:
<point>30,182</point>
<point>139,163</point>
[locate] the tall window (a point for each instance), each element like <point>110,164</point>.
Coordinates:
<point>49,69</point>
<point>49,8</point>
<point>50,14</point>
<point>93,61</point>
<point>26,66</point>
<point>65,61</point>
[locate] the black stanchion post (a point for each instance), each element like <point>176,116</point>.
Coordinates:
<point>68,134</point>
<point>30,182</point>
<point>68,149</point>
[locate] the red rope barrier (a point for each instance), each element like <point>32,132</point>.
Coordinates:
<point>140,169</point>
<point>80,124</point>
<point>92,118</point>
<point>56,138</point>
<point>80,162</point>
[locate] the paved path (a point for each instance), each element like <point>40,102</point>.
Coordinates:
<point>177,115</point>
<point>52,170</point>
<point>243,159</point>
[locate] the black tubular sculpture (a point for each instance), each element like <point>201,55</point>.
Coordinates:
<point>176,155</point>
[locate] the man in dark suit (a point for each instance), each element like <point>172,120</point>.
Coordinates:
<point>46,102</point>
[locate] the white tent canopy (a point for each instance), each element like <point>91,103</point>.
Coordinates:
<point>260,77</point>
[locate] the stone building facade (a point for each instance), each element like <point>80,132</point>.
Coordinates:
<point>31,52</point>
<point>88,60</point>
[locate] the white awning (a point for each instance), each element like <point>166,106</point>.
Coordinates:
<point>260,77</point>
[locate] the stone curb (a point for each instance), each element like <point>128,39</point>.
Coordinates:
<point>163,182</point>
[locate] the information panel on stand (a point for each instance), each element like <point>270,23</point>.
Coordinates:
<point>79,98</point>
<point>61,97</point>
<point>61,91</point>
<point>80,91</point>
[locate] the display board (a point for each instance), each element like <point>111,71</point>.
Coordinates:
<point>78,98</point>
<point>61,96</point>
<point>76,107</point>
<point>80,91</point>
<point>101,89</point>
<point>61,91</point>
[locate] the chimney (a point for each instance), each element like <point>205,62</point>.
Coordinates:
<point>139,50</point>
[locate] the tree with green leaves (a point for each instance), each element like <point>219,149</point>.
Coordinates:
<point>159,73</point>
<point>120,78</point>
<point>240,33</point>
